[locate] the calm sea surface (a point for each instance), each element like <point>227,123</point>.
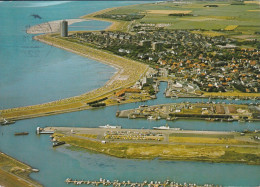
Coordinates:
<point>32,73</point>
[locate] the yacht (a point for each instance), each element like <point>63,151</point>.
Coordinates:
<point>107,126</point>
<point>153,118</point>
<point>162,128</point>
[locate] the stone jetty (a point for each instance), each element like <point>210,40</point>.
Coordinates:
<point>117,183</point>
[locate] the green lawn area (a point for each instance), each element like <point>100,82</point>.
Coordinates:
<point>209,18</point>
<point>195,149</point>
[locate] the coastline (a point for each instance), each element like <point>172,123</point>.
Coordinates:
<point>85,161</point>
<point>91,16</point>
<point>78,103</point>
<point>15,173</point>
<point>116,25</point>
<point>125,68</point>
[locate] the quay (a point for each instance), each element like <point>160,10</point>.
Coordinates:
<point>117,183</point>
<point>203,111</point>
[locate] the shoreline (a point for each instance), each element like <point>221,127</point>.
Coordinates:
<point>15,172</point>
<point>91,16</point>
<point>124,67</point>
<point>77,103</point>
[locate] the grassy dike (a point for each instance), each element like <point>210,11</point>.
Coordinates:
<point>188,148</point>
<point>14,173</point>
<point>128,72</point>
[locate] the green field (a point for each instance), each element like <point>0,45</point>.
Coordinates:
<point>192,147</point>
<point>14,173</point>
<point>246,16</point>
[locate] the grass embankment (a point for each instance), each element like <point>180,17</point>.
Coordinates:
<point>190,149</point>
<point>129,72</point>
<point>14,173</point>
<point>230,94</point>
<point>229,139</point>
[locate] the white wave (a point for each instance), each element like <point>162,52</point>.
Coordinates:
<point>43,3</point>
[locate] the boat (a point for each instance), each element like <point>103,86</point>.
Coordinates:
<point>5,122</point>
<point>229,119</point>
<point>35,170</point>
<point>110,127</point>
<point>162,128</point>
<point>55,144</point>
<point>209,119</point>
<point>153,118</point>
<point>21,133</point>
<point>212,119</point>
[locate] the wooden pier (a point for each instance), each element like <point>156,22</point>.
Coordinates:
<point>117,183</point>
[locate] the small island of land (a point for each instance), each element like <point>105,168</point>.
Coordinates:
<point>171,144</point>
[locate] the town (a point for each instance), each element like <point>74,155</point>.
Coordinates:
<point>210,64</point>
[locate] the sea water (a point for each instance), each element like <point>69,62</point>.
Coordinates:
<point>30,72</point>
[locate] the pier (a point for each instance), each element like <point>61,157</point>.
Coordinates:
<point>117,183</point>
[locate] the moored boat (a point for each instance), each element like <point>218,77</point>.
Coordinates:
<point>54,144</point>
<point>21,133</point>
<point>6,122</point>
<point>162,128</point>
<point>110,127</point>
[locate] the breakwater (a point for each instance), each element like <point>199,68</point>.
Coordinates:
<point>117,183</point>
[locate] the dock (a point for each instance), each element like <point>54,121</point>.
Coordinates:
<point>201,111</point>
<point>117,183</point>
